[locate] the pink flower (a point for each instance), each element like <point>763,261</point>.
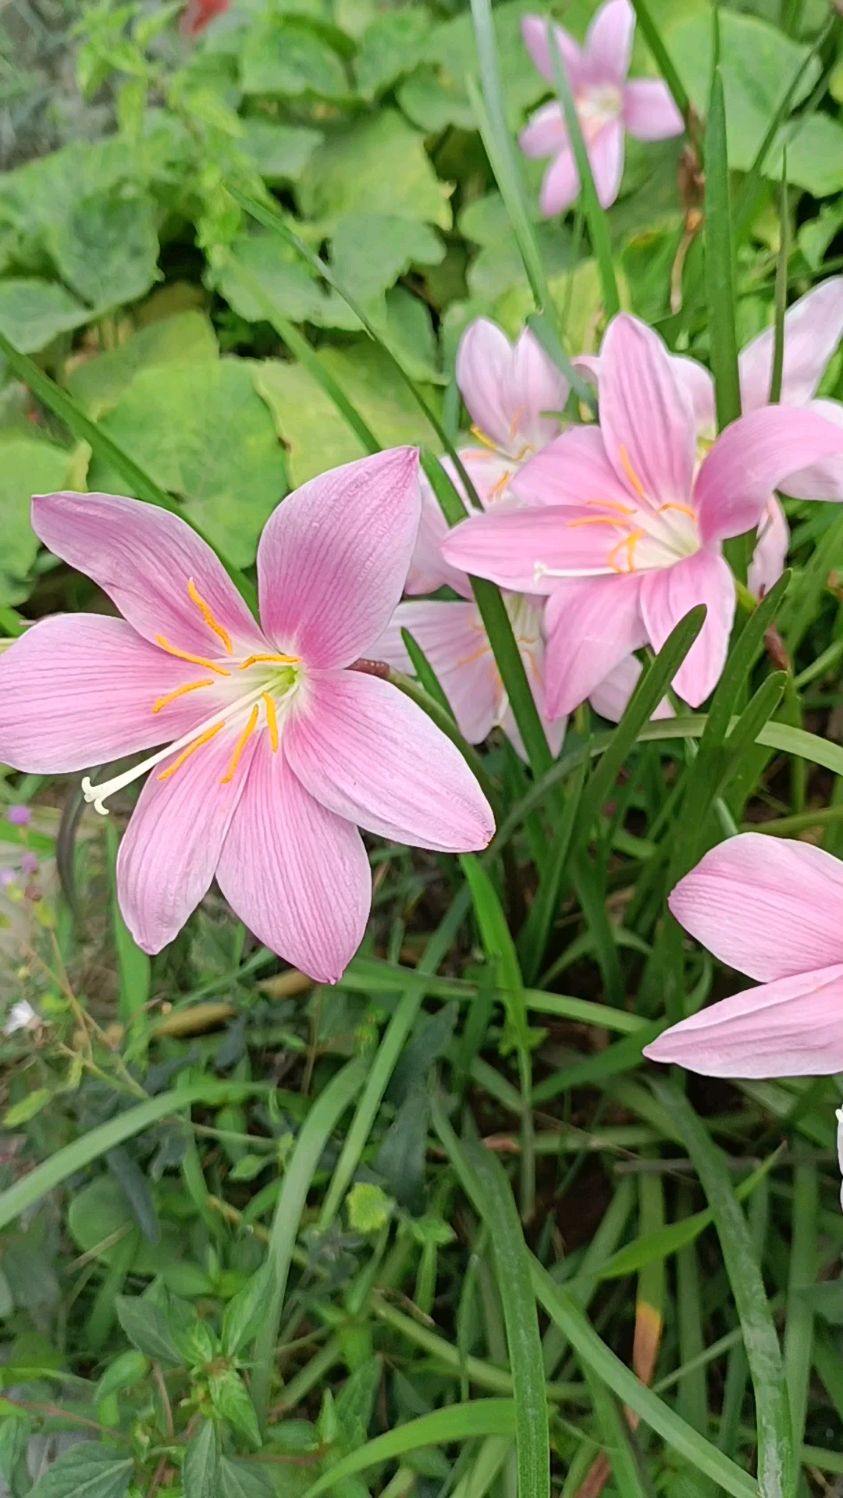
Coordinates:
<point>454,639</point>
<point>273,749</point>
<point>608,104</point>
<point>772,908</point>
<point>813,327</point>
<point>623,527</point>
<point>514,394</point>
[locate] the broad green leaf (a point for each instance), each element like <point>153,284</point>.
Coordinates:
<point>23,1111</point>
<point>41,192</point>
<point>99,1217</point>
<point>371,251</point>
<point>377,164</point>
<point>280,276</point>
<point>86,1471</point>
<point>28,465</point>
<point>389,48</point>
<point>280,151</point>
<point>451,46</point>
<point>231,1400</point>
<point>435,99</point>
<point>288,57</point>
<point>106,249</point>
<point>33,312</point>
<point>368,1206</point>
<point>147,1326</point>
<point>814,156</point>
<point>201,1472</point>
<point>243,1480</point>
<point>244,1313</point>
<point>98,383</point>
<point>757,62</point>
<point>202,433</point>
<point>307,421</point>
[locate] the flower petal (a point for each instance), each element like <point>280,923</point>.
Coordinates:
<point>649,111</point>
<point>545,133</point>
<point>591,626</point>
<point>789,1028</point>
<point>371,755</point>
<point>537,386</point>
<point>822,481</point>
<point>334,557</point>
<point>484,368</point>
<point>169,852</point>
<point>428,568</point>
<point>608,43</point>
<point>560,184</point>
<point>534,30</point>
<point>699,384</point>
<point>507,388</point>
<point>646,416</point>
<point>78,691</point>
<point>297,875</point>
<point>144,558</point>
<point>770,554</point>
<point>813,327</point>
<point>611,698</point>
<point>754,456</point>
<point>456,645</point>
<point>573,469</point>
<point>770,907</point>
<point>606,156</point>
<point>670,593</point>
<point>529,550</point>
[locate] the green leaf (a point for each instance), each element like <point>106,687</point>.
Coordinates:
<point>371,251</point>
<point>512,1261</point>
<point>231,1400</point>
<point>126,1369</point>
<point>315,435</point>
<point>814,156</point>
<point>201,1472</point>
<point>776,1474</point>
<point>368,1206</point>
<point>99,1218</point>
<point>459,1422</point>
<point>279,151</point>
<point>378,164</point>
<point>389,48</point>
<point>106,249</point>
<point>22,1112</point>
<point>243,1480</point>
<point>244,1313</point>
<point>33,313</point>
<point>28,465</point>
<point>719,261</point>
<point>288,57</point>
<point>85,1471</point>
<point>147,1325</point>
<point>186,338</point>
<point>281,277</point>
<point>203,433</point>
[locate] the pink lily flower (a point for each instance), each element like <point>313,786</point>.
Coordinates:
<point>453,637</point>
<point>274,747</point>
<point>513,393</point>
<point>773,909</point>
<point>608,105</point>
<point>622,526</point>
<point>813,327</point>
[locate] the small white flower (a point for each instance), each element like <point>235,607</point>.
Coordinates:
<point>21,1016</point>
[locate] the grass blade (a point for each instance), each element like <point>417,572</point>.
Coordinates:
<point>661,56</point>
<point>719,261</point>
<point>298,1175</point>
<point>776,1457</point>
<point>459,1422</point>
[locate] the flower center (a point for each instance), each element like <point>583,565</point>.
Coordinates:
<point>253,693</point>
<point>597,105</point>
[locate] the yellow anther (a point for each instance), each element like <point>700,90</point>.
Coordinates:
<point>627,545</point>
<point>196,597</point>
<point>483,439</point>
<point>468,660</point>
<point>498,488</point>
<point>271,720</point>
<point>195,660</point>
<point>573,525</point>
<point>204,738</point>
<point>240,746</point>
<point>631,474</point>
<point>281,660</point>
<point>192,686</point>
<point>612,504</point>
<point>683,510</point>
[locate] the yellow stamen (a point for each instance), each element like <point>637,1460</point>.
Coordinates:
<point>573,525</point>
<point>497,489</point>
<point>515,422</point>
<point>192,686</point>
<point>195,660</point>
<point>481,437</point>
<point>240,746</point>
<point>282,660</point>
<point>627,545</point>
<point>612,504</point>
<point>683,509</point>
<point>271,720</point>
<point>469,660</point>
<point>204,738</point>
<point>196,597</point>
<point>631,474</point>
